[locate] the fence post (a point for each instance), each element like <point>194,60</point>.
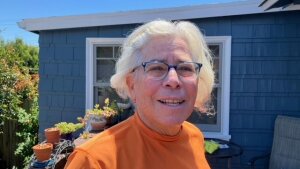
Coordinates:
<point>9,143</point>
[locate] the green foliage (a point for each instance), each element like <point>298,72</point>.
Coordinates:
<point>66,128</point>
<point>19,93</point>
<point>9,99</point>
<point>28,129</point>
<point>19,54</point>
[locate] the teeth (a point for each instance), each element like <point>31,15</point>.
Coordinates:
<point>168,101</point>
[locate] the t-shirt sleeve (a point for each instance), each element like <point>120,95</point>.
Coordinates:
<point>80,159</point>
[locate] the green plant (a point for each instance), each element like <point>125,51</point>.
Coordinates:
<point>95,111</point>
<point>66,128</point>
<point>85,135</point>
<point>19,97</point>
<point>28,129</point>
<point>95,114</point>
<point>110,109</point>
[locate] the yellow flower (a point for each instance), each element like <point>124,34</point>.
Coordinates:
<point>97,106</point>
<point>106,101</point>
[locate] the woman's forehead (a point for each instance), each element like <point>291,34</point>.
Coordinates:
<point>166,46</point>
<point>166,42</point>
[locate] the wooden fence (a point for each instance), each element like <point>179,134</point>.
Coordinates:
<point>8,144</point>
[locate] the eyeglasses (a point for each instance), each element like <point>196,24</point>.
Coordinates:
<point>158,70</point>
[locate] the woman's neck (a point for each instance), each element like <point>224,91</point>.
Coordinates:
<point>169,130</point>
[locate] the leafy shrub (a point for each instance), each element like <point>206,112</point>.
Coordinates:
<point>19,94</point>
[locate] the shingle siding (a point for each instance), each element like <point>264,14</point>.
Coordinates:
<point>265,74</point>
<point>62,75</point>
<point>264,77</point>
<point>110,32</point>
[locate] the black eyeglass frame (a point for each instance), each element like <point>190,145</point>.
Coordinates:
<point>144,64</point>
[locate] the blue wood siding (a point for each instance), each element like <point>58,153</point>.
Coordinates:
<point>62,71</point>
<point>265,77</point>
<point>265,74</point>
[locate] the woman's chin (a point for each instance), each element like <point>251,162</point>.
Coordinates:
<point>172,121</point>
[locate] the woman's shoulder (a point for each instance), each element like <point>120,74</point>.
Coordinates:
<point>191,129</point>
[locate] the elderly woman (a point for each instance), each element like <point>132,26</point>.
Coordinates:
<point>165,69</point>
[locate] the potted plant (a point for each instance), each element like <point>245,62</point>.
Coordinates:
<point>110,111</point>
<point>52,135</point>
<point>43,151</point>
<point>95,119</point>
<point>67,129</point>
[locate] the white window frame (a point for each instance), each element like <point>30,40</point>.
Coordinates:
<point>225,85</point>
<point>225,73</point>
<point>89,66</point>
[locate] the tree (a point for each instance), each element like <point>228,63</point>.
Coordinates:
<point>19,94</point>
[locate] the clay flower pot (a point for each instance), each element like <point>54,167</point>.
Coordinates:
<point>43,151</point>
<point>52,135</point>
<point>98,124</point>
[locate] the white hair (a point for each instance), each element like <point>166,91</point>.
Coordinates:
<point>189,32</point>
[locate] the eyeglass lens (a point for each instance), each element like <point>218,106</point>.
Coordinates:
<point>160,69</point>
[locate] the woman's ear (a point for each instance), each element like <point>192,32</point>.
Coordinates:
<point>130,85</point>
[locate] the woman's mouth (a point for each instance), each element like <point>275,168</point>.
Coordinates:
<point>172,102</point>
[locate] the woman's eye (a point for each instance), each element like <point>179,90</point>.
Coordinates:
<point>186,68</point>
<point>156,68</point>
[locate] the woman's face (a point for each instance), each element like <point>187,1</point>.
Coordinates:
<point>167,102</point>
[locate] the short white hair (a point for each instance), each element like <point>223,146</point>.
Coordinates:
<point>189,32</point>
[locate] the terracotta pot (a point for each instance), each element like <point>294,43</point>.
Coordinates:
<point>43,151</point>
<point>98,125</point>
<point>52,135</point>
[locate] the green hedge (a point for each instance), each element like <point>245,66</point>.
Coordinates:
<point>19,96</point>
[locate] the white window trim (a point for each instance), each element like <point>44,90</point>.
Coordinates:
<point>89,66</point>
<point>225,85</point>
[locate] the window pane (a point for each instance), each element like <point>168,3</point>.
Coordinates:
<point>105,61</point>
<point>216,69</point>
<point>215,50</point>
<point>210,115</point>
<point>105,69</point>
<point>117,51</point>
<point>101,93</point>
<point>104,52</point>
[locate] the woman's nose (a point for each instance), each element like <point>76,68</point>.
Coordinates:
<point>172,80</point>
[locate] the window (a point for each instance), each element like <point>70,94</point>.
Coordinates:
<point>105,57</point>
<point>102,54</point>
<point>215,121</point>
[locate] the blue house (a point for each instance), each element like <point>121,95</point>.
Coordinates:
<point>256,59</point>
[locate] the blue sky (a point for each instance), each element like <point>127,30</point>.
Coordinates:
<point>13,11</point>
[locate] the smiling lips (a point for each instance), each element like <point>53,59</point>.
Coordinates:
<point>171,101</point>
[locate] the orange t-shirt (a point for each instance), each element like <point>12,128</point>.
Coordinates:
<point>132,145</point>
